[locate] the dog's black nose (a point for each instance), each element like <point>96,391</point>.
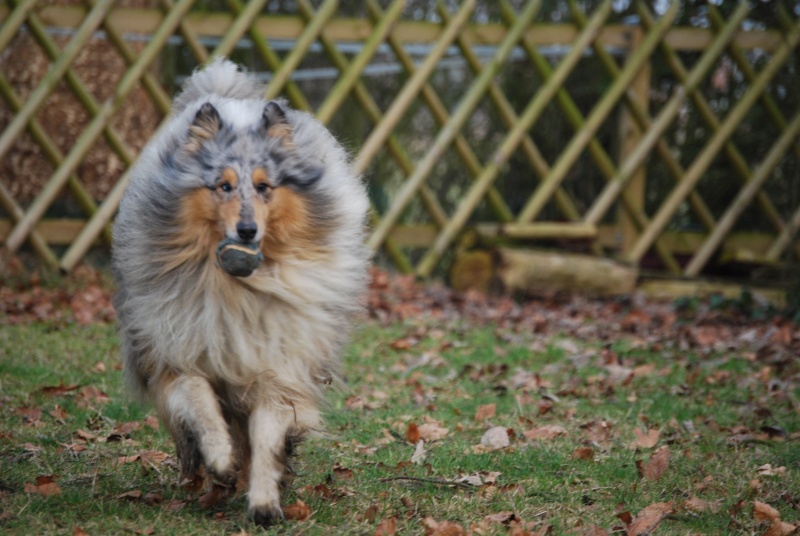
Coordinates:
<point>246,231</point>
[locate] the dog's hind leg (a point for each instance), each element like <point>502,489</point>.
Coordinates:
<point>193,414</point>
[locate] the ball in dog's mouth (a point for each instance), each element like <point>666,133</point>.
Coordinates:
<point>238,259</point>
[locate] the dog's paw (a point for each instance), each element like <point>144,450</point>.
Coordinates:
<point>266,515</point>
<point>221,464</point>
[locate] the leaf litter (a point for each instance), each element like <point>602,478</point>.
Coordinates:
<point>546,407</point>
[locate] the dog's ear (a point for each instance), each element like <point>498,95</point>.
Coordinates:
<point>205,126</point>
<point>300,175</point>
<point>274,123</point>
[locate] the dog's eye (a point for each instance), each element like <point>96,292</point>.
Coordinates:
<point>226,187</point>
<point>262,187</point>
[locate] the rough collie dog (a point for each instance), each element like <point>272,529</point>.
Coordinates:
<point>240,261</point>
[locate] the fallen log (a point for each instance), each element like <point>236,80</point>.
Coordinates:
<point>529,271</point>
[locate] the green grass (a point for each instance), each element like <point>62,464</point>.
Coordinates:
<point>701,405</point>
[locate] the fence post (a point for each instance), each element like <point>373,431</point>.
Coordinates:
<point>630,135</point>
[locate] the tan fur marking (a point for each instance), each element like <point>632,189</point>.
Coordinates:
<point>290,229</point>
<point>204,128</point>
<point>229,176</point>
<point>283,132</point>
<point>259,176</point>
<point>199,231</point>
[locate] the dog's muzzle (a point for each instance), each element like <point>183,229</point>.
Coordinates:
<point>238,259</point>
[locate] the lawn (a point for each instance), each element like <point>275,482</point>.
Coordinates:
<point>457,415</point>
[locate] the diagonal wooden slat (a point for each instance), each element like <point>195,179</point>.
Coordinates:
<point>54,75</point>
<point>198,50</point>
<point>642,119</point>
<point>410,90</point>
<point>272,60</point>
<point>373,112</point>
<point>731,151</point>
<point>427,195</point>
<point>17,18</point>
<point>738,56</point>
<point>512,140</point>
<point>52,152</point>
<point>712,148</point>
<point>301,46</point>
<point>101,218</point>
<point>350,76</point>
<point>743,199</point>
<point>462,112</point>
<point>601,110</point>
<point>93,130</point>
<point>784,239</point>
<point>668,113</point>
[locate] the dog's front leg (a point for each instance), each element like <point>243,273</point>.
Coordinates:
<point>195,418</point>
<point>268,427</point>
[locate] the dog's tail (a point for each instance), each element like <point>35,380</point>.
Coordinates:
<point>221,77</point>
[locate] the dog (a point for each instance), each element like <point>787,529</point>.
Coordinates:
<point>240,264</point>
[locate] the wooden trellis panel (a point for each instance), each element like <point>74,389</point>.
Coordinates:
<point>546,208</point>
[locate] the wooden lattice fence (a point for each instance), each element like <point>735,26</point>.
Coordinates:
<point>666,145</point>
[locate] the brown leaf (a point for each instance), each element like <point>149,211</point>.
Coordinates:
<point>152,422</point>
<point>30,416</point>
<point>213,496</point>
<point>90,394</point>
<point>432,431</point>
<point>298,511</point>
<point>696,504</point>
<point>55,390</point>
<point>645,440</point>
<point>589,530</point>
<point>134,494</point>
<point>412,433</point>
<point>343,473</point>
<point>649,518</point>
<point>174,505</point>
<point>495,438</point>
<point>548,431</point>
<point>370,513</point>
<point>780,528</point>
<point>442,528</point>
<point>486,411</point>
<point>504,518</point>
<point>583,453</point>
<point>45,486</point>
<point>59,413</point>
<point>387,527</point>
<point>77,531</point>
<point>658,463</point>
<point>764,511</point>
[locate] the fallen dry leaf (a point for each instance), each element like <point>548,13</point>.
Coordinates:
<point>442,528</point>
<point>780,528</point>
<point>764,511</point>
<point>298,511</point>
<point>419,452</point>
<point>583,453</point>
<point>657,464</point>
<point>432,431</point>
<point>696,504</point>
<point>645,440</point>
<point>45,486</point>
<point>412,433</point>
<point>130,495</point>
<point>387,527</point>
<point>495,438</point>
<point>548,431</point>
<point>77,531</point>
<point>486,411</point>
<point>649,518</point>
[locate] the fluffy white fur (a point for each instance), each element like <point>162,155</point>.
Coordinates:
<point>235,366</point>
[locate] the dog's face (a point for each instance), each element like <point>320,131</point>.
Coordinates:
<point>256,190</point>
